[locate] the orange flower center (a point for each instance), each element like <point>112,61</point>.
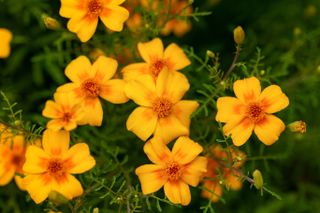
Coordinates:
<point>255,112</point>
<point>91,88</point>
<point>156,67</point>
<point>67,117</point>
<point>162,107</point>
<point>18,160</point>
<point>173,171</point>
<point>55,168</point>
<point>94,8</point>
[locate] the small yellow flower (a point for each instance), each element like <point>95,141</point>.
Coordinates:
<point>84,16</point>
<point>89,82</point>
<point>49,169</point>
<point>5,39</point>
<point>161,111</point>
<point>156,59</point>
<point>252,110</point>
<point>174,170</point>
<point>64,111</point>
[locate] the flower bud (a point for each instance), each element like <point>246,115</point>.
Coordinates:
<point>257,178</point>
<point>95,210</point>
<point>210,54</point>
<point>298,126</point>
<point>50,23</point>
<point>238,35</point>
<point>57,198</point>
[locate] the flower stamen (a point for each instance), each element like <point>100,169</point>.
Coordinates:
<point>94,8</point>
<point>55,168</point>
<point>156,67</point>
<point>91,88</point>
<point>255,112</point>
<point>162,107</point>
<point>173,171</point>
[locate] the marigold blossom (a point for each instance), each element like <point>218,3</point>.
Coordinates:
<point>89,82</point>
<point>51,168</point>
<point>156,59</point>
<point>252,110</point>
<point>64,111</point>
<point>161,111</point>
<point>5,40</point>
<point>84,16</point>
<point>172,170</point>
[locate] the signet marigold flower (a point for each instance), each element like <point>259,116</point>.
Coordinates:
<point>89,82</point>
<point>64,111</point>
<point>156,59</point>
<point>51,168</point>
<point>5,39</point>
<point>161,111</point>
<point>252,110</point>
<point>84,16</point>
<point>174,170</point>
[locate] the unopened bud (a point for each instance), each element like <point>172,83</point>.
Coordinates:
<point>310,11</point>
<point>258,179</point>
<point>95,210</point>
<point>210,54</point>
<point>57,198</point>
<point>297,31</point>
<point>50,23</point>
<point>238,35</point>
<point>298,126</point>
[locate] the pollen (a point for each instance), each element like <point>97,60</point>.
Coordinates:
<point>55,167</point>
<point>156,67</point>
<point>94,8</point>
<point>91,88</point>
<point>162,107</point>
<point>255,112</point>
<point>173,171</point>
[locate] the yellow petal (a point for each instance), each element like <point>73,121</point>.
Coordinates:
<point>233,181</point>
<point>79,70</point>
<point>87,29</point>
<point>142,90</point>
<point>247,89</point>
<point>55,124</point>
<point>229,108</point>
<point>93,113</point>
<point>269,129</point>
<point>36,160</point>
<point>6,37</point>
<point>105,68</point>
<point>133,71</point>
<point>273,99</point>
<point>172,85</point>
<point>113,91</point>
<point>68,88</point>
<point>37,187</point>
<point>78,159</point>
<point>151,177</point>
<point>175,57</point>
<point>185,150</point>
<point>169,128</point>
<point>69,187</point>
<point>71,125</point>
<point>114,18</point>
<point>157,151</point>
<point>55,142</point>
<point>142,122</point>
<point>71,8</point>
<point>52,110</point>
<point>241,132</point>
<point>183,110</point>
<point>193,172</point>
<point>7,176</point>
<point>18,181</point>
<point>151,50</point>
<point>177,192</point>
<point>212,191</point>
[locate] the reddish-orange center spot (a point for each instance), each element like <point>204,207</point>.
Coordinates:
<point>173,171</point>
<point>67,117</point>
<point>55,168</point>
<point>162,107</point>
<point>94,8</point>
<point>18,160</point>
<point>91,88</point>
<point>156,67</point>
<point>255,112</point>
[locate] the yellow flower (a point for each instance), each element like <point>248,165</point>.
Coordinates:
<point>252,110</point>
<point>64,111</point>
<point>89,82</point>
<point>5,39</point>
<point>161,111</point>
<point>84,16</point>
<point>49,169</point>
<point>156,59</point>
<point>174,170</point>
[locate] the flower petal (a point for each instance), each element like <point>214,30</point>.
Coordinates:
<point>33,184</point>
<point>177,192</point>
<point>240,132</point>
<point>93,113</point>
<point>55,142</point>
<point>273,99</point>
<point>157,151</point>
<point>193,172</point>
<point>113,18</point>
<point>69,187</point>
<point>7,175</point>
<point>185,150</point>
<point>183,110</point>
<point>79,69</point>
<point>113,91</point>
<point>229,108</point>
<point>175,57</point>
<point>18,179</point>
<point>151,50</point>
<point>55,124</point>
<point>247,89</point>
<point>151,177</point>
<point>142,122</point>
<point>269,129</point>
<point>133,71</point>
<point>52,110</point>
<point>36,160</point>
<point>87,29</point>
<point>105,68</point>
<point>70,8</point>
<point>212,191</point>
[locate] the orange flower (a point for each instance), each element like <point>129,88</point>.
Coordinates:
<point>174,170</point>
<point>89,82</point>
<point>5,40</point>
<point>161,111</point>
<point>64,111</point>
<point>218,173</point>
<point>49,169</point>
<point>156,59</point>
<point>252,110</point>
<point>84,15</point>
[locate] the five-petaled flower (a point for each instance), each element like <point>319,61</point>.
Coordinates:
<point>161,111</point>
<point>5,39</point>
<point>174,170</point>
<point>252,110</point>
<point>156,59</point>
<point>84,16</point>
<point>89,82</point>
<point>49,169</point>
